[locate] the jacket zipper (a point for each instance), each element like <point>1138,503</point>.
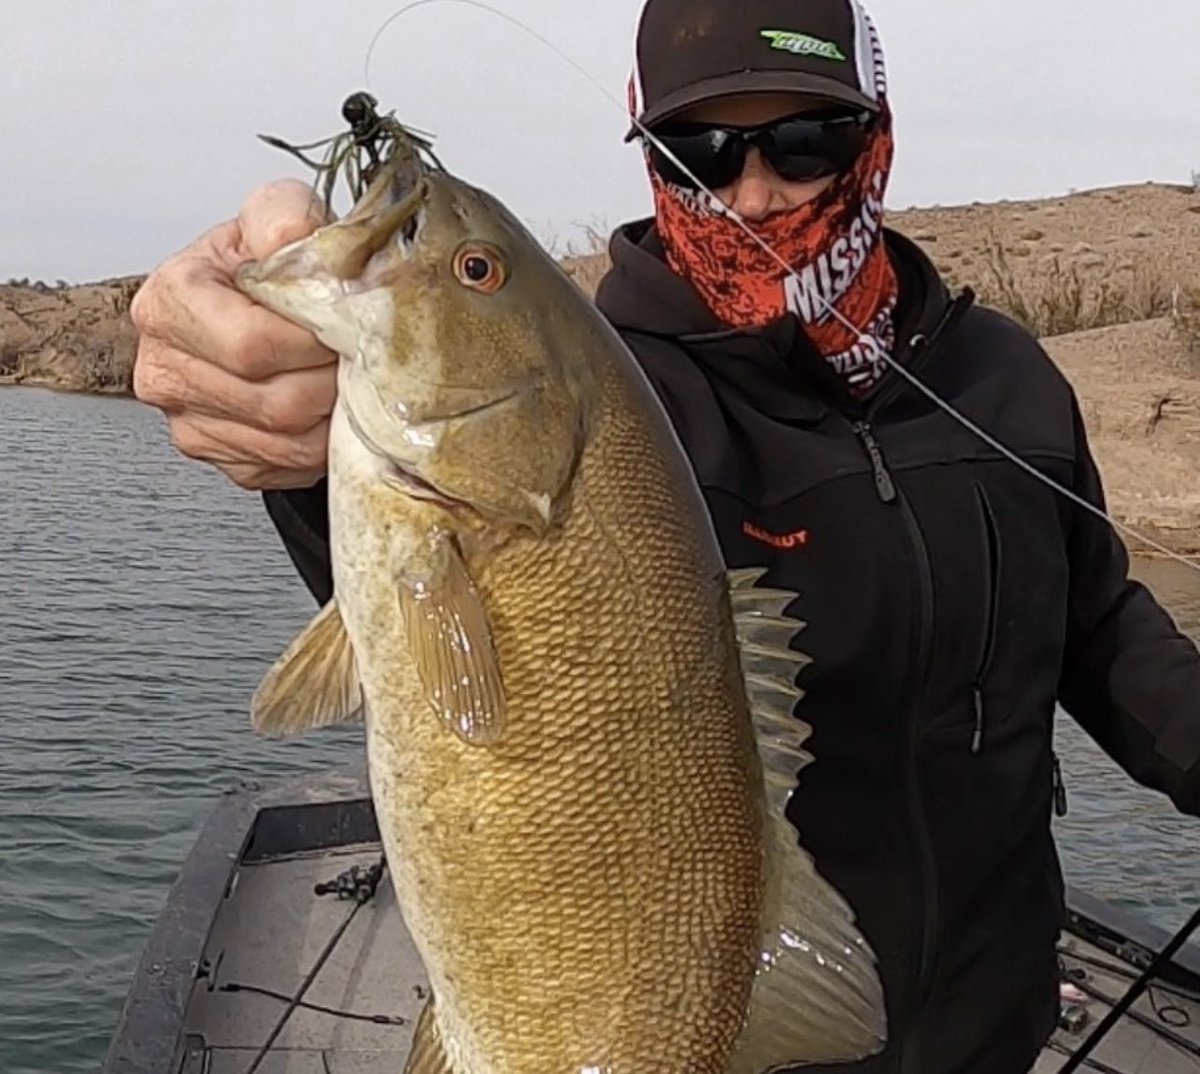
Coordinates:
<point>1060,788</point>
<point>916,808</point>
<point>991,610</point>
<point>888,493</point>
<point>884,485</point>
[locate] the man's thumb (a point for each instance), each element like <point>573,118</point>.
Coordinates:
<point>277,213</point>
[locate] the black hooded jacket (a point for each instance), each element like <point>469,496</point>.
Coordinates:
<point>950,598</point>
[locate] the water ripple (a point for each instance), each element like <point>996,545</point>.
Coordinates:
<point>143,598</point>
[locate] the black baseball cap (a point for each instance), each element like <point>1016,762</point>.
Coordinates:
<point>690,51</point>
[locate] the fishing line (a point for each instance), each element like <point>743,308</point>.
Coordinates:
<point>715,203</point>
<point>1159,963</point>
<point>1165,1031</point>
<point>1091,1064</point>
<point>1115,970</point>
<point>304,1005</point>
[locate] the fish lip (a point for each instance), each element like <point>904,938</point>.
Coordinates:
<point>400,223</point>
<point>401,177</point>
<point>404,217</point>
<point>404,237</point>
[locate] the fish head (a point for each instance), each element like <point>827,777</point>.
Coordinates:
<point>464,345</point>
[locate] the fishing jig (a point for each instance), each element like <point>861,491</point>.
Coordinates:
<point>358,153</point>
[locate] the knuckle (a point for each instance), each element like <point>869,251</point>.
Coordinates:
<point>152,304</point>
<point>298,454</point>
<point>290,407</point>
<point>188,440</point>
<point>311,457</point>
<point>143,376</point>
<point>279,413</point>
<point>250,478</point>
<point>139,307</point>
<point>253,355</point>
<point>145,311</point>
<point>152,377</point>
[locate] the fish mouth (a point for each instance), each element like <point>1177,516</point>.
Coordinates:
<point>341,253</point>
<point>391,210</point>
<point>400,224</point>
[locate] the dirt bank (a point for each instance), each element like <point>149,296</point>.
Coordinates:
<point>70,338</point>
<point>1110,279</point>
<point>1139,386</point>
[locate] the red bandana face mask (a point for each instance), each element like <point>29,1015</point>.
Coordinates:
<point>834,243</point>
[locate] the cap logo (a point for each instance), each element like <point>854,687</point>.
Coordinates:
<point>803,44</point>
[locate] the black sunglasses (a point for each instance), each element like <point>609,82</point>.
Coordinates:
<point>799,148</point>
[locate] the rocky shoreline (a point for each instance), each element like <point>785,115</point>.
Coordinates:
<point>1110,279</point>
<point>70,338</point>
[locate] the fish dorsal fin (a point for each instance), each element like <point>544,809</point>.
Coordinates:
<point>313,684</point>
<point>817,996</point>
<point>427,1056</point>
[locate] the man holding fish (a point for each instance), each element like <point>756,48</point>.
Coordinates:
<point>951,597</point>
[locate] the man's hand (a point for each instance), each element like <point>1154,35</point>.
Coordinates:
<point>242,388</point>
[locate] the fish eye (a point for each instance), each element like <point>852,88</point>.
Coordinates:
<point>481,268</point>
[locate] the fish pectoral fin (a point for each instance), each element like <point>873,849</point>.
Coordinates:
<point>427,1056</point>
<point>450,641</point>
<point>816,996</point>
<point>313,684</point>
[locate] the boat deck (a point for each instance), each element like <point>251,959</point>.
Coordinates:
<point>245,927</point>
<point>1138,1044</point>
<point>374,972</point>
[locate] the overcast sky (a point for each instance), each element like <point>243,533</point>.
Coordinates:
<point>128,125</point>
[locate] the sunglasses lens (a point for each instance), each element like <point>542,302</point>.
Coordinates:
<point>709,153</point>
<point>799,149</point>
<point>802,149</point>
<point>798,169</point>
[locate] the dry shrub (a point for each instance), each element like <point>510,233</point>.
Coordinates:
<point>103,371</point>
<point>586,261</point>
<point>124,291</point>
<point>1061,296</point>
<point>587,272</point>
<point>1185,316</point>
<point>72,362</point>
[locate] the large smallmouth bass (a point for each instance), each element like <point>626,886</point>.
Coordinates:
<point>579,727</point>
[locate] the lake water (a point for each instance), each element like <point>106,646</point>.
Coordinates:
<point>142,596</point>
